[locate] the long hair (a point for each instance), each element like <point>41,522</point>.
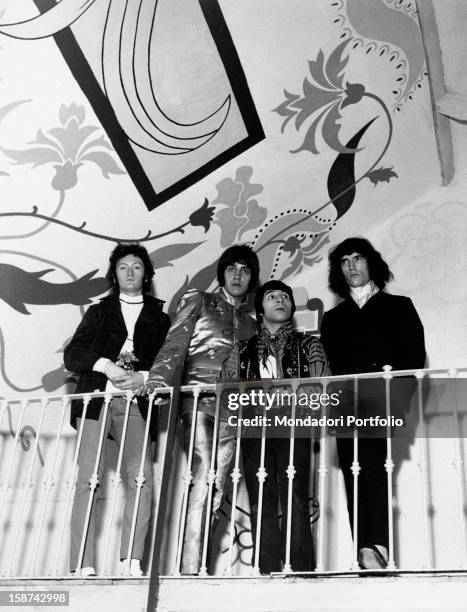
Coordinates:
<point>243,254</point>
<point>378,269</point>
<point>122,250</point>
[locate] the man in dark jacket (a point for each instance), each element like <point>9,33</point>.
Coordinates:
<point>370,329</point>
<point>113,349</point>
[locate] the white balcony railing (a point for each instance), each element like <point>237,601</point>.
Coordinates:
<point>38,472</point>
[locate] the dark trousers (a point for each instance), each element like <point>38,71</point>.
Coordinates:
<point>274,531</point>
<point>372,488</point>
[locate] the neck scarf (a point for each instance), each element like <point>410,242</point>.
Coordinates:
<point>273,344</point>
<point>361,295</point>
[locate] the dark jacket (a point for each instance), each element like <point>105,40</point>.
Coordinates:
<point>386,331</point>
<point>102,333</point>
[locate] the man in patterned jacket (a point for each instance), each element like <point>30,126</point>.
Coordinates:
<point>205,328</point>
<point>277,351</point>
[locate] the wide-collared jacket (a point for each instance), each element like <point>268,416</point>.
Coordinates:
<point>205,328</point>
<point>102,333</point>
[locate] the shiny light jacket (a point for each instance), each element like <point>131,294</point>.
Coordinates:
<point>205,328</point>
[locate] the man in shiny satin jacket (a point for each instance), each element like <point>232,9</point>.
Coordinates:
<point>205,328</point>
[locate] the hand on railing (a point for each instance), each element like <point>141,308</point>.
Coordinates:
<point>130,381</point>
<point>114,372</point>
<point>152,385</point>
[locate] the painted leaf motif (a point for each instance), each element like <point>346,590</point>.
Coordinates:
<point>284,110</point>
<point>381,174</point>
<point>295,267</point>
<point>309,142</point>
<point>313,100</point>
<point>336,64</point>
<point>330,131</point>
<point>42,139</point>
<point>163,257</point>
<point>4,110</point>
<point>105,162</point>
<point>341,178</point>
<point>97,142</point>
<point>256,215</point>
<point>2,173</point>
<point>36,156</point>
<point>316,68</point>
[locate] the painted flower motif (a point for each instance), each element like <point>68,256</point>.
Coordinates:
<point>324,99</point>
<point>203,216</point>
<point>68,147</point>
<point>303,254</point>
<point>241,212</point>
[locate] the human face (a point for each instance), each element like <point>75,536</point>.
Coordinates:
<point>277,308</point>
<point>355,270</point>
<point>236,280</point>
<point>130,274</point>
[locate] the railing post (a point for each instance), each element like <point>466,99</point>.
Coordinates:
<point>290,475</point>
<point>211,481</point>
<point>423,467</point>
<point>168,462</point>
<point>458,464</point>
<point>236,476</point>
<point>117,480</point>
<point>93,482</point>
<point>187,479</point>
<point>261,475</point>
<point>389,464</point>
<point>71,484</point>
<point>355,469</point>
<point>323,471</point>
<point>48,483</point>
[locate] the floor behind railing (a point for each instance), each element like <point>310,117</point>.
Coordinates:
<point>396,591</point>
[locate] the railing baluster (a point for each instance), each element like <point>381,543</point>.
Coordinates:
<point>323,471</point>
<point>355,469</point>
<point>458,466</point>
<point>27,485</point>
<point>389,465</point>
<point>236,476</point>
<point>261,475</point>
<point>423,466</point>
<point>71,484</point>
<point>48,484</point>
<point>211,480</point>
<point>139,482</point>
<point>290,475</point>
<point>93,482</point>
<point>117,480</point>
<point>7,484</point>
<point>186,484</point>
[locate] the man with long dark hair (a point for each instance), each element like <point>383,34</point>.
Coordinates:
<point>205,328</point>
<point>113,349</point>
<point>368,330</point>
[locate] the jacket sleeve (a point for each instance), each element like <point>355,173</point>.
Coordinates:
<point>414,353</point>
<point>78,355</point>
<point>317,358</point>
<point>169,363</point>
<point>230,368</point>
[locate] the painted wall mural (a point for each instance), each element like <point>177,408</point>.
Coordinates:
<point>390,29</point>
<point>172,117</point>
<point>287,242</point>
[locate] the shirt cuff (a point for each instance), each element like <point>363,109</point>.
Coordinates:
<point>145,374</point>
<point>100,364</point>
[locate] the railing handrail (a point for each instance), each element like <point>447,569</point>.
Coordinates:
<point>226,384</point>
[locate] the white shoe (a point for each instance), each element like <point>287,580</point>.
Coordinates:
<point>133,570</point>
<point>84,572</point>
